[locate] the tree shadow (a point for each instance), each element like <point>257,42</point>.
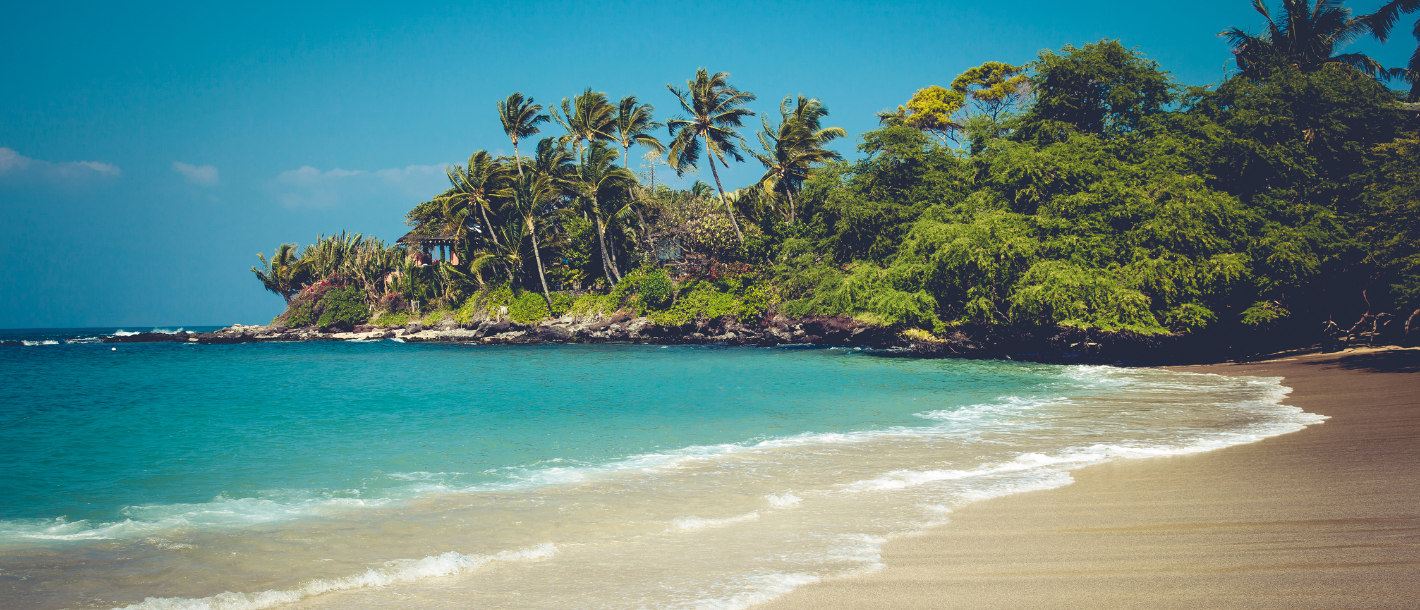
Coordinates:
<point>1406,361</point>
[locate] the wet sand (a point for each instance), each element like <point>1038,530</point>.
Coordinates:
<point>1328,517</point>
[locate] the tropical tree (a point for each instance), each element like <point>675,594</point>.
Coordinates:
<point>520,118</point>
<point>602,187</point>
<point>528,196</point>
<point>1304,36</point>
<point>715,110</point>
<point>1380,24</point>
<point>794,146</point>
<point>280,274</point>
<point>470,189</point>
<point>587,118</point>
<point>633,125</point>
<point>895,118</point>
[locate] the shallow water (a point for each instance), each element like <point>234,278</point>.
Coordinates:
<point>345,475</point>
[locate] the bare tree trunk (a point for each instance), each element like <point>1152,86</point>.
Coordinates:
<point>790,192</point>
<point>728,210</point>
<point>608,268</point>
<point>532,230</point>
<point>488,225</point>
<point>517,157</point>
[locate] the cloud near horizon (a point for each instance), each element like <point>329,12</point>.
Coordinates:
<point>15,166</point>
<point>309,187</point>
<point>204,175</point>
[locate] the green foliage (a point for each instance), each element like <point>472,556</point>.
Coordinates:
<point>1101,88</point>
<point>1062,294</point>
<point>343,307</point>
<point>391,319</point>
<point>704,300</point>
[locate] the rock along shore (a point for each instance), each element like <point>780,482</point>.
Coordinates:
<point>621,328</point>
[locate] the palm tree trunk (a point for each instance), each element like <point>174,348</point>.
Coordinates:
<point>608,269</point>
<point>488,225</point>
<point>517,157</point>
<point>611,254</point>
<point>728,210</point>
<point>789,190</point>
<point>532,230</point>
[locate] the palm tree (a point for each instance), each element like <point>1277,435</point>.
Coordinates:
<point>1380,23</point>
<point>1305,37</point>
<point>529,195</point>
<point>470,188</point>
<point>520,118</point>
<point>279,274</point>
<point>587,118</point>
<point>715,110</point>
<point>598,184</point>
<point>794,146</point>
<point>895,118</point>
<point>633,125</point>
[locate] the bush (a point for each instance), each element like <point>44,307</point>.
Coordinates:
<point>343,308</point>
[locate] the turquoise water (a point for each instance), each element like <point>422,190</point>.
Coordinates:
<point>159,462</point>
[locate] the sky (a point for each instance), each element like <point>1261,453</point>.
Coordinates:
<point>149,151</point>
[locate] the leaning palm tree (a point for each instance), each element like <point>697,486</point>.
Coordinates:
<point>715,109</point>
<point>280,274</point>
<point>1380,24</point>
<point>1305,37</point>
<point>602,187</point>
<point>528,196</point>
<point>471,188</point>
<point>633,125</point>
<point>520,118</point>
<point>794,147</point>
<point>587,118</point>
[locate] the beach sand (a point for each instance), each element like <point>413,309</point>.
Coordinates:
<point>1328,517</point>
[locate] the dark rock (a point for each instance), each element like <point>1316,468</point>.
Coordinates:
<point>363,328</point>
<point>339,326</point>
<point>12,343</point>
<point>554,333</point>
<point>489,327</point>
<point>413,327</point>
<point>448,325</point>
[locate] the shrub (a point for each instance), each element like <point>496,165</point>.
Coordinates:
<point>343,308</point>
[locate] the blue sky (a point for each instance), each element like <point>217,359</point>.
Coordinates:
<point>147,153</point>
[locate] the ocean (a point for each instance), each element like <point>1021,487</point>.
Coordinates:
<point>392,475</point>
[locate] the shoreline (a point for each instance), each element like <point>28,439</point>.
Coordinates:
<point>1325,517</point>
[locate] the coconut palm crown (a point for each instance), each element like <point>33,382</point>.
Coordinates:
<point>1304,36</point>
<point>587,118</point>
<point>520,118</point>
<point>1380,24</point>
<point>633,125</point>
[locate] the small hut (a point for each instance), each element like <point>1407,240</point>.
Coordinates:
<point>433,247</point>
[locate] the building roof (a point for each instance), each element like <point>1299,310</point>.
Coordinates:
<point>414,239</point>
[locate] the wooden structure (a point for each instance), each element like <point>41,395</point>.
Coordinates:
<point>433,247</point>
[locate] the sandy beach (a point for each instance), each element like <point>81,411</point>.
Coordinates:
<point>1328,517</point>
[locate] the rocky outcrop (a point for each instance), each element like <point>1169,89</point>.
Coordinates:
<point>617,328</point>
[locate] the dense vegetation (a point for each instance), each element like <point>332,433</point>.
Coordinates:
<point>1085,190</point>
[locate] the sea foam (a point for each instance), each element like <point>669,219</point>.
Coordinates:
<point>399,571</point>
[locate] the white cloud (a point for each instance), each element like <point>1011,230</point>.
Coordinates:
<point>309,187</point>
<point>15,166</point>
<point>205,175</point>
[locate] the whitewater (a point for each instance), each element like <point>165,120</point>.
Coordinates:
<point>355,475</point>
